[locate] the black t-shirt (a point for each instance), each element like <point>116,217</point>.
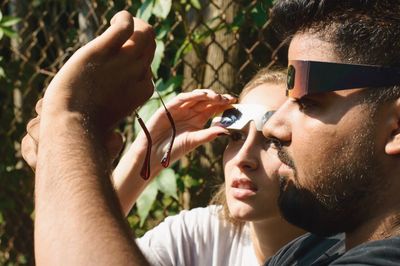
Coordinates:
<point>312,250</point>
<point>309,249</point>
<point>384,252</point>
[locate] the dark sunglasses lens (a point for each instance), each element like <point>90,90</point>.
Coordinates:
<point>291,77</point>
<point>230,116</point>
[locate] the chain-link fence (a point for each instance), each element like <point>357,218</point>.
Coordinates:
<point>216,44</point>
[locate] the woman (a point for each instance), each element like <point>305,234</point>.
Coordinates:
<point>243,225</point>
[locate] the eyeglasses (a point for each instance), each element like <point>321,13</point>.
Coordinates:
<point>240,115</point>
<point>308,77</point>
<point>145,171</point>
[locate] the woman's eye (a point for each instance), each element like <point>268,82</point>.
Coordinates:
<point>237,136</point>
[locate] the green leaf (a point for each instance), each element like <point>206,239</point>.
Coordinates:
<point>1,33</point>
<point>9,32</point>
<point>1,16</point>
<point>196,4</point>
<point>180,184</point>
<point>21,259</point>
<point>145,10</point>
<point>190,181</point>
<point>159,84</point>
<point>163,30</point>
<point>166,90</point>
<point>149,108</point>
<point>166,182</point>
<point>2,73</point>
<point>146,200</point>
<point>162,8</point>
<point>171,84</point>
<point>9,21</point>
<point>146,111</point>
<point>37,3</point>
<point>238,21</point>
<point>259,16</point>
<point>184,49</point>
<point>158,56</point>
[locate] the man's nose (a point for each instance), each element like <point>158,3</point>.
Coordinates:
<point>279,125</point>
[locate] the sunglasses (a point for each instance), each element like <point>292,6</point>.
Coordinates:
<point>145,171</point>
<point>239,115</point>
<point>308,77</point>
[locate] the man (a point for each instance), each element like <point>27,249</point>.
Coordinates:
<point>78,220</point>
<point>338,134</point>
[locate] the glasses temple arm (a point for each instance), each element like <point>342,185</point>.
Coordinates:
<point>167,156</point>
<point>145,171</point>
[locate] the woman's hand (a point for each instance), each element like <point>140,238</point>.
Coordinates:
<point>190,112</point>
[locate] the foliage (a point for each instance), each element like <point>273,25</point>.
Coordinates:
<point>6,24</point>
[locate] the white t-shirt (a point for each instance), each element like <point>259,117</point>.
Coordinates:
<point>198,237</point>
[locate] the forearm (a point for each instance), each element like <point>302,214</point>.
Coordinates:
<point>75,203</point>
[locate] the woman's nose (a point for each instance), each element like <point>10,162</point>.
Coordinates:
<point>247,157</point>
<point>278,126</point>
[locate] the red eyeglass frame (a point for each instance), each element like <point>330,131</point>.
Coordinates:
<point>145,171</point>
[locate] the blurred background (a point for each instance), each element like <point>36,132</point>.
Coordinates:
<point>216,44</point>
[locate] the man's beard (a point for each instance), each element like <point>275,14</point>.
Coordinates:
<point>342,193</point>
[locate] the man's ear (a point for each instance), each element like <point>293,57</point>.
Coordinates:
<point>393,144</point>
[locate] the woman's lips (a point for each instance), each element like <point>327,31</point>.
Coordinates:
<point>243,188</point>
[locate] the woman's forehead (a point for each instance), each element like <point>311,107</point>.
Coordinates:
<point>270,95</point>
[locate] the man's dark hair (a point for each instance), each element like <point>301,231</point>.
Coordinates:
<point>361,31</point>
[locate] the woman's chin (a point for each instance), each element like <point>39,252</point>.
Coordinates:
<point>242,213</point>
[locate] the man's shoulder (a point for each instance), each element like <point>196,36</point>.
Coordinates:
<point>313,250</point>
<point>381,252</point>
<point>309,249</point>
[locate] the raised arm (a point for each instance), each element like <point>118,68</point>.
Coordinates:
<point>78,220</point>
<point>190,111</point>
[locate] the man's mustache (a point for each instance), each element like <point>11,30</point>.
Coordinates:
<point>283,154</point>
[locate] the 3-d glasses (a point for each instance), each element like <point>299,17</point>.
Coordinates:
<point>240,115</point>
<point>309,77</point>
